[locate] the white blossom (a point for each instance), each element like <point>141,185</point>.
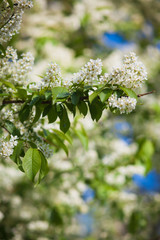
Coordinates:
<point>10,19</point>
<point>52,76</point>
<point>124,104</point>
<point>89,73</point>
<point>38,226</point>
<point>6,147</point>
<point>16,69</point>
<point>131,74</point>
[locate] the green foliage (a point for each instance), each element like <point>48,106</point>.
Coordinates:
<point>105,94</point>
<point>59,92</point>
<point>17,152</point>
<point>25,112</point>
<point>64,120</point>
<point>83,109</point>
<point>52,114</point>
<point>10,127</point>
<point>145,153</point>
<point>8,84</point>
<point>134,217</point>
<point>34,162</point>
<point>96,108</point>
<point>54,104</point>
<point>129,92</point>
<point>10,3</point>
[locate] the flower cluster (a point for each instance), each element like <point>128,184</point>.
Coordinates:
<point>52,76</point>
<point>124,104</point>
<point>130,75</point>
<point>10,19</point>
<point>15,69</point>
<point>6,147</point>
<point>89,73</point>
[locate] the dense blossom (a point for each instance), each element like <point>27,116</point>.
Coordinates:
<point>10,19</point>
<point>52,76</point>
<point>131,74</point>
<point>89,73</point>
<point>6,147</point>
<point>124,104</point>
<point>15,69</point>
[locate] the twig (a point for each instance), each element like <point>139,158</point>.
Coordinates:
<point>49,142</point>
<point>5,129</point>
<point>144,94</point>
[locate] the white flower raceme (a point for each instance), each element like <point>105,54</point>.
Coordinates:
<point>52,76</point>
<point>89,73</point>
<point>6,147</point>
<point>124,104</point>
<point>15,69</point>
<point>10,19</point>
<point>131,74</point>
<point>38,226</point>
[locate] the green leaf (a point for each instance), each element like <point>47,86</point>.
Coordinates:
<point>46,110</point>
<point>31,163</point>
<point>59,92</point>
<point>52,114</point>
<point>95,94</point>
<point>35,100</point>
<point>44,167</point>
<point>56,217</point>
<point>62,135</point>
<point>39,110</point>
<point>24,113</point>
<point>10,3</point>
<point>81,133</point>
<point>96,109</point>
<point>105,94</point>
<point>64,120</point>
<point>60,143</point>
<point>63,95</point>
<point>11,128</point>
<point>71,108</point>
<point>21,93</point>
<point>129,92</point>
<point>82,106</point>
<point>17,151</point>
<point>134,222</point>
<point>145,153</point>
<point>48,95</point>
<point>9,84</point>
<point>32,144</point>
<point>75,97</point>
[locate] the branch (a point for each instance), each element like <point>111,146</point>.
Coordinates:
<point>7,21</point>
<point>5,129</point>
<point>49,142</point>
<point>5,102</point>
<point>144,94</point>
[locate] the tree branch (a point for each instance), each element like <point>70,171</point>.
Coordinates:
<point>144,94</point>
<point>5,102</point>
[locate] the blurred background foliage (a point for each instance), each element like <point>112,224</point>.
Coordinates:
<point>108,187</point>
